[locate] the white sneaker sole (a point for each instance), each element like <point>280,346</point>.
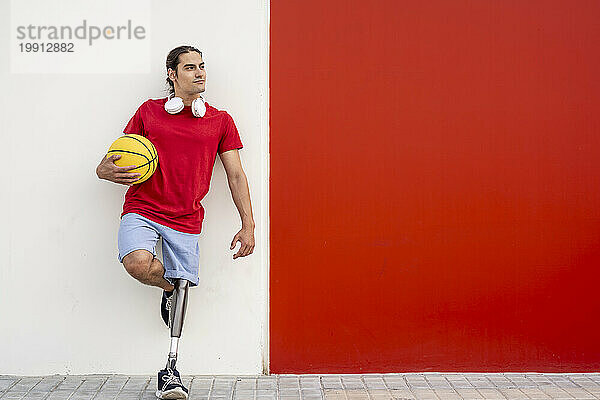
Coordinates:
<point>176,393</point>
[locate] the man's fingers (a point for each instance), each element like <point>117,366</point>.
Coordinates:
<point>245,250</point>
<point>125,179</point>
<point>121,175</point>
<point>245,247</point>
<point>239,252</point>
<point>127,175</point>
<point>123,169</point>
<point>112,157</point>
<point>116,167</point>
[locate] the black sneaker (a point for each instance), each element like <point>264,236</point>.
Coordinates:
<point>165,306</point>
<point>170,386</point>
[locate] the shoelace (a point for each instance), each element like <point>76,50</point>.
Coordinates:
<point>168,307</point>
<point>171,378</point>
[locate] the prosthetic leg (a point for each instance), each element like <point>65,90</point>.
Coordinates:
<point>178,307</point>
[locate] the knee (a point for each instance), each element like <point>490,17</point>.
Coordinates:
<point>137,263</point>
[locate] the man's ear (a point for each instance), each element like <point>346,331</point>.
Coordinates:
<point>172,74</point>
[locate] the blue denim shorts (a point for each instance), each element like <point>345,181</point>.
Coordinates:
<point>180,250</point>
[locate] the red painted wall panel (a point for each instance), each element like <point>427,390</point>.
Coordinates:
<point>435,186</point>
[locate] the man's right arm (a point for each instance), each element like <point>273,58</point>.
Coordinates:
<point>107,169</point>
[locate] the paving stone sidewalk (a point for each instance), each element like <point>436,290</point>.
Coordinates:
<point>427,386</point>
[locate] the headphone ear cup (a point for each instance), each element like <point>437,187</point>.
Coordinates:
<point>198,107</point>
<point>174,105</point>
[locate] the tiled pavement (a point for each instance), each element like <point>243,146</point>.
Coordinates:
<point>311,387</point>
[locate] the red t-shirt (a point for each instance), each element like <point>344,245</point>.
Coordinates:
<point>187,148</point>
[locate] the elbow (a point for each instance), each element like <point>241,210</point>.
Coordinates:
<point>237,176</point>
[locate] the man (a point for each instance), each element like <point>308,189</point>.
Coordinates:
<point>188,133</point>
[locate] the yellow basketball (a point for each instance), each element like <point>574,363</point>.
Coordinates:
<point>135,150</point>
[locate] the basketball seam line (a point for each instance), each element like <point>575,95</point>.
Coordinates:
<point>130,136</point>
<point>143,144</point>
<point>148,170</point>
<point>130,152</point>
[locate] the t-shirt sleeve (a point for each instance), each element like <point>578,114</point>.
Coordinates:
<point>230,138</point>
<point>136,123</point>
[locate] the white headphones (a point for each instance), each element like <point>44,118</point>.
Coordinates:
<point>175,104</point>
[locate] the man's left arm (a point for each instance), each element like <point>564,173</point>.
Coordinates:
<point>238,184</point>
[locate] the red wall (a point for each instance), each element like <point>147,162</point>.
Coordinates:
<point>435,186</point>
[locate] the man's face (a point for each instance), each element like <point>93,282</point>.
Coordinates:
<point>191,75</point>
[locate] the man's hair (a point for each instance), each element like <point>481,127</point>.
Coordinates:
<point>173,61</point>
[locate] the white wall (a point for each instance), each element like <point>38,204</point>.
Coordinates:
<point>67,306</point>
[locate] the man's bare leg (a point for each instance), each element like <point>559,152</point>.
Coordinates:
<point>143,266</point>
<point>156,276</point>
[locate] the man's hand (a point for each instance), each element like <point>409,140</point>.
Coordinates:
<point>111,172</point>
<point>246,237</point>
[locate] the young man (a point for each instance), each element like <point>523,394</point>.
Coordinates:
<point>188,133</point>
